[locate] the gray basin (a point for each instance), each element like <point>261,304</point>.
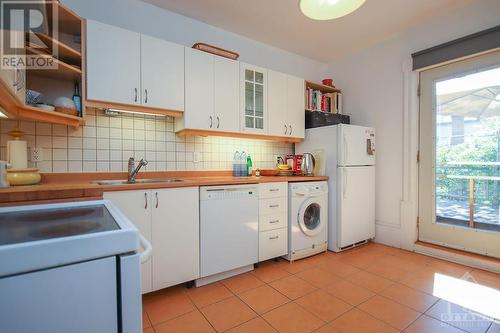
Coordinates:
<point>138,181</point>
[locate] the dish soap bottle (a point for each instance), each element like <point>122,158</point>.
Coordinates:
<point>77,99</point>
<point>249,165</point>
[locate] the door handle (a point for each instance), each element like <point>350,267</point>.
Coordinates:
<point>274,206</point>
<point>286,129</point>
<point>218,121</point>
<point>156,194</point>
<point>135,98</point>
<point>344,180</point>
<point>274,221</point>
<point>146,97</point>
<point>145,200</point>
<point>274,189</point>
<point>275,237</point>
<point>211,121</point>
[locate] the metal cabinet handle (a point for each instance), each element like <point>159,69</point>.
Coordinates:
<point>156,194</point>
<point>211,121</point>
<point>218,121</point>
<point>145,200</point>
<point>146,97</point>
<point>291,130</point>
<point>274,206</point>
<point>274,221</point>
<point>274,189</point>
<point>135,98</point>
<point>275,237</point>
<point>286,129</point>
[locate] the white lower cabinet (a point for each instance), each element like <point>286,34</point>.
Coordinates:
<point>273,223</point>
<point>169,219</point>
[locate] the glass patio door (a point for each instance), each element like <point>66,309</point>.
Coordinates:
<point>459,168</point>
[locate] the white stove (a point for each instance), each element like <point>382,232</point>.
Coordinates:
<point>70,267</point>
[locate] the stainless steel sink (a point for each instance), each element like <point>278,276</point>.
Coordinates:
<point>138,181</point>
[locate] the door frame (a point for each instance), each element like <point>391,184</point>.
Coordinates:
<point>406,234</point>
<point>469,239</point>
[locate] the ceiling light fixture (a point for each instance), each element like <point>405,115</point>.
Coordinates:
<point>328,9</point>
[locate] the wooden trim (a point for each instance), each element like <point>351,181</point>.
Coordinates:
<point>192,132</point>
<point>321,87</point>
<point>136,108</point>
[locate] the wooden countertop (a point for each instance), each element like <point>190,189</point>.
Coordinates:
<point>60,187</point>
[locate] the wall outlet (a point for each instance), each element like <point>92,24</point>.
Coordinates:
<point>196,157</point>
<point>36,154</point>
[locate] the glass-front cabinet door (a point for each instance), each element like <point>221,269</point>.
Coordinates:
<point>254,98</point>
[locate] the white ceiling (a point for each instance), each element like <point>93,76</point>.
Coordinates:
<point>280,22</point>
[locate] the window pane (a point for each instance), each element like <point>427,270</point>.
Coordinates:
<point>259,99</point>
<point>249,107</point>
<point>249,75</point>
<point>259,77</point>
<point>249,122</point>
<point>259,123</point>
<point>468,149</point>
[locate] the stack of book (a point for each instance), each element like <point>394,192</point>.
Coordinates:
<point>325,102</point>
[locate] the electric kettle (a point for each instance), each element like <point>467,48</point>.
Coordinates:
<point>307,165</point>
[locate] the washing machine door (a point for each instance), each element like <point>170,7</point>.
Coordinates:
<point>311,218</point>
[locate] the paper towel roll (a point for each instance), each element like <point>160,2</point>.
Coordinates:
<point>17,154</point>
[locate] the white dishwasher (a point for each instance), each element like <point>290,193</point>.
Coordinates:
<point>229,231</point>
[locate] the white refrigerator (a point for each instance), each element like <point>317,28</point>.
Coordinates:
<point>345,153</point>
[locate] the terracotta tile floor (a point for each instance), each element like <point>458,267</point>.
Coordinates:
<point>371,289</point>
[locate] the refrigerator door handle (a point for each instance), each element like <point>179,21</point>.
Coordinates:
<point>344,181</point>
<point>344,142</point>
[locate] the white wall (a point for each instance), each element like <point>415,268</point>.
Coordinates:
<point>373,87</point>
<point>144,18</point>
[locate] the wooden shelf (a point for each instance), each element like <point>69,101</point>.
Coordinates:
<point>66,53</point>
<point>63,71</point>
<point>68,21</point>
<point>193,132</point>
<point>16,109</point>
<point>321,87</point>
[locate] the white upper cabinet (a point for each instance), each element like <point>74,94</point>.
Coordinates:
<point>126,67</point>
<point>226,82</point>
<point>277,103</point>
<point>211,93</point>
<point>285,105</point>
<point>253,99</point>
<point>199,71</point>
<point>113,64</point>
<point>162,72</point>
<point>295,104</point>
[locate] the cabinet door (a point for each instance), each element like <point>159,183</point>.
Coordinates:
<point>199,108</point>
<point>295,106</point>
<point>113,64</point>
<point>226,99</point>
<point>175,236</point>
<point>162,72</point>
<point>136,206</point>
<point>277,103</point>
<point>253,98</point>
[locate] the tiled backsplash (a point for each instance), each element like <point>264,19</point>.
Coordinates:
<point>105,144</point>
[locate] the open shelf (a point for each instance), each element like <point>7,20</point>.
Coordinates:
<point>321,87</point>
<point>16,109</point>
<point>63,71</point>
<point>68,21</point>
<point>65,53</point>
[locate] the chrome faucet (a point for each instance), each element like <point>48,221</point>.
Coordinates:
<point>132,170</point>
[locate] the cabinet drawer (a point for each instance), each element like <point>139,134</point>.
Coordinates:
<point>273,221</point>
<point>273,190</point>
<point>273,243</point>
<point>272,206</point>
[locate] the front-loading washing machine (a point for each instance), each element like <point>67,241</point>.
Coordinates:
<point>307,219</point>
